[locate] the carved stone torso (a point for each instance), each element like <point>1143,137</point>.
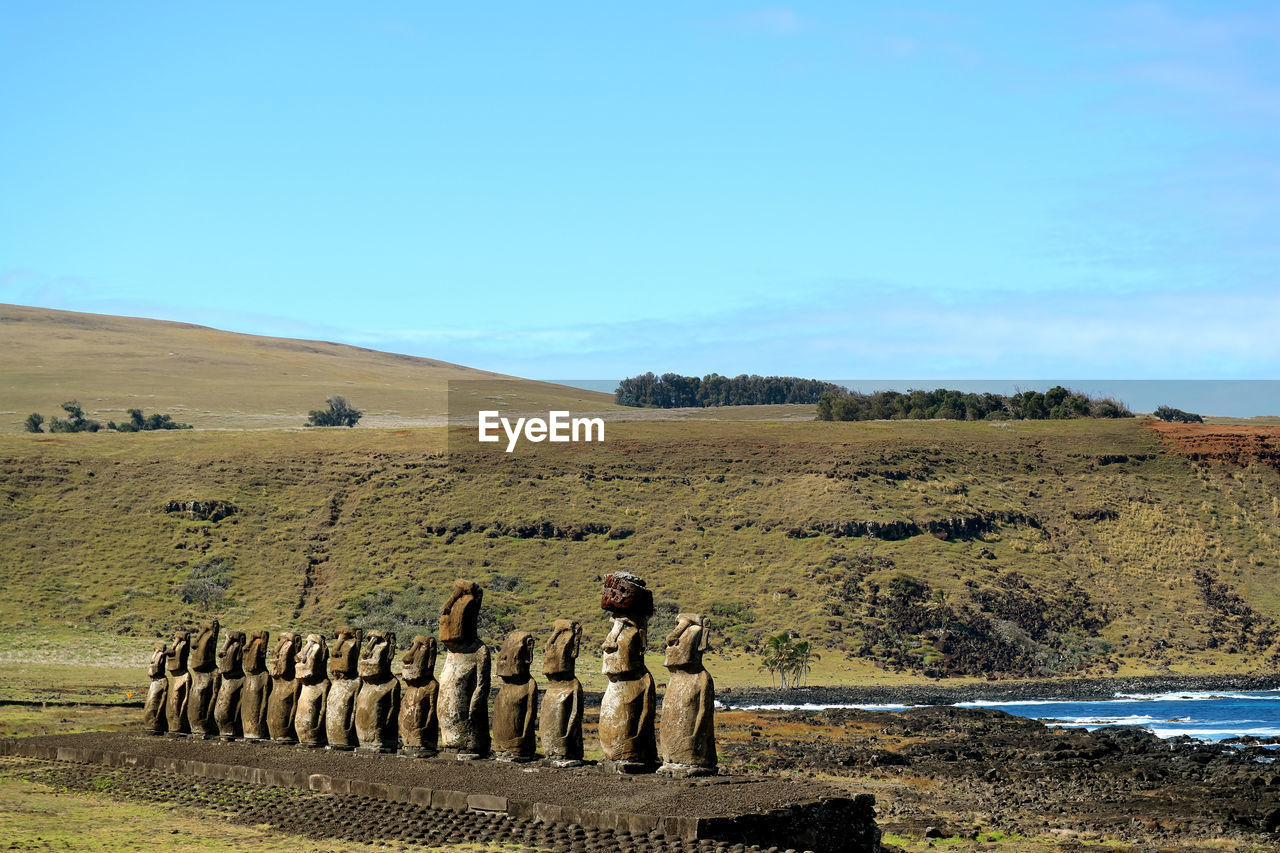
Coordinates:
<point>377,710</point>
<point>627,713</point>
<point>688,719</point>
<point>463,704</point>
<point>419,726</point>
<point>280,708</point>
<point>254,692</point>
<point>176,708</point>
<point>513,719</point>
<point>561,720</point>
<point>308,719</point>
<point>340,713</point>
<point>226,711</point>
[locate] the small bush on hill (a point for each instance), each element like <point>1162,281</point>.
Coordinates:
<point>138,423</point>
<point>206,586</point>
<point>33,422</point>
<point>1171,415</point>
<point>75,421</point>
<point>339,413</point>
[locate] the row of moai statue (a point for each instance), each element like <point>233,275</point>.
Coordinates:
<point>341,693</point>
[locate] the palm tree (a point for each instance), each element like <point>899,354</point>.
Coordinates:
<point>801,660</point>
<point>776,657</point>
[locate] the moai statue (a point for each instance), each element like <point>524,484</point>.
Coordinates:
<point>257,687</point>
<point>284,688</point>
<point>378,702</point>
<point>463,705</point>
<point>561,713</point>
<point>204,680</point>
<point>515,709</point>
<point>419,727</point>
<point>688,735</point>
<point>344,683</point>
<point>630,701</point>
<point>313,691</point>
<point>154,721</point>
<point>179,683</point>
<point>226,710</point>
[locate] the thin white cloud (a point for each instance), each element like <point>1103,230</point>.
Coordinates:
<point>774,22</point>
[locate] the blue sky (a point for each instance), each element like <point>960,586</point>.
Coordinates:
<point>591,190</point>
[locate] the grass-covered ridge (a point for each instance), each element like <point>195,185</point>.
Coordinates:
<point>216,379</point>
<point>936,547</point>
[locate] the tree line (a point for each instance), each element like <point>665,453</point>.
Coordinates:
<point>671,390</point>
<point>1056,403</point>
<point>77,421</point>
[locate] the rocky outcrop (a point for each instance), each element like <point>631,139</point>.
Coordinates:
<point>202,510</point>
<point>955,527</point>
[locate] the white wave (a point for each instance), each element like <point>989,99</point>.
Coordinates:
<point>1194,696</point>
<point>1131,720</point>
<point>1213,733</point>
<point>810,706</point>
<point>997,703</point>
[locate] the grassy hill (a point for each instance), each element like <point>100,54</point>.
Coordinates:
<point>216,379</point>
<point>926,547</point>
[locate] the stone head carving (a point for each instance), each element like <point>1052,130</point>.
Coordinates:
<point>313,657</point>
<point>563,646</point>
<point>687,641</point>
<point>460,615</point>
<point>253,659</point>
<point>375,656</point>
<point>516,656</point>
<point>420,660</point>
<point>344,654</point>
<point>155,668</point>
<point>625,594</point>
<point>624,647</point>
<point>204,648</point>
<point>179,650</point>
<point>231,656</point>
<point>282,660</point>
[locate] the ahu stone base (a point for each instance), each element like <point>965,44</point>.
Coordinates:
<point>763,811</point>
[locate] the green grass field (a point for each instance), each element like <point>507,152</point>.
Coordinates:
<point>722,517</point>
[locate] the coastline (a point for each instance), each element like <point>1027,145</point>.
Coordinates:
<point>1066,689</point>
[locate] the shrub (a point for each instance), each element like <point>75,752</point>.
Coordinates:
<point>138,423</point>
<point>75,421</point>
<point>207,583</point>
<point>339,413</point>
<point>33,422</point>
<point>1171,415</point>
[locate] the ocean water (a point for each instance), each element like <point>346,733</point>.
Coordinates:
<point>1208,716</point>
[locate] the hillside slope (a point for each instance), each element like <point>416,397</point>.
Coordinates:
<point>211,378</point>
<point>937,548</point>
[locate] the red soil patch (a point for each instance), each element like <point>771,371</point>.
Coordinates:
<point>1239,444</point>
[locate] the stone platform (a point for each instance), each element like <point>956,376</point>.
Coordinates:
<point>763,811</point>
